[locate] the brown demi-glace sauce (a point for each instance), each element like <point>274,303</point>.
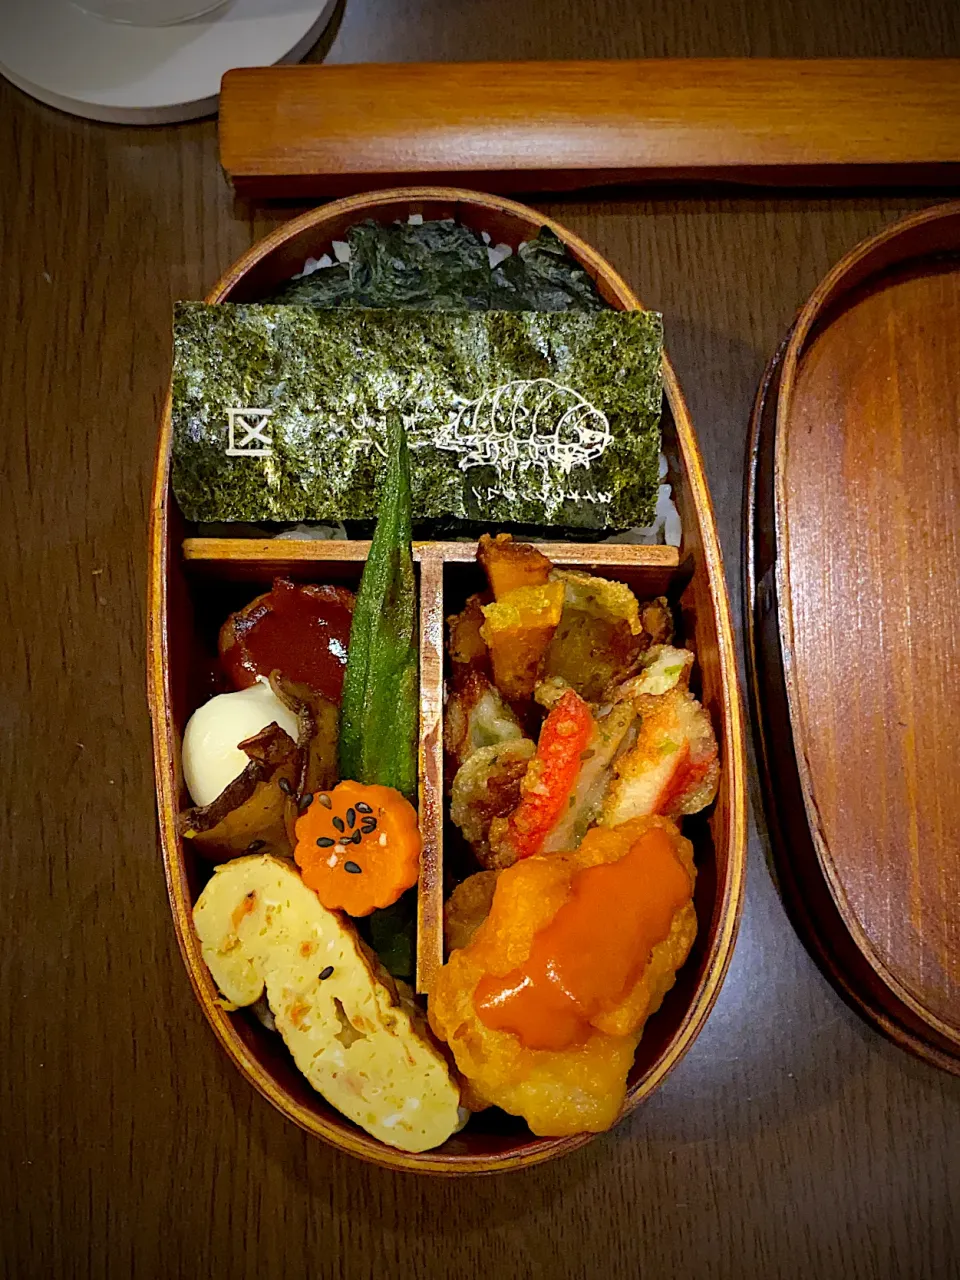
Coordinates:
<point>298,629</point>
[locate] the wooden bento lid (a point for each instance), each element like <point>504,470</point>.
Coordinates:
<point>852,597</point>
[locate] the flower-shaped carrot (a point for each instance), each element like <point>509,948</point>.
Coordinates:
<point>358,847</point>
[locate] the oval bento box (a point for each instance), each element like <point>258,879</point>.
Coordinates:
<point>851,598</point>
<point>191,578</point>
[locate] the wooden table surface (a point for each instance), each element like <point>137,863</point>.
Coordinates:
<point>792,1141</point>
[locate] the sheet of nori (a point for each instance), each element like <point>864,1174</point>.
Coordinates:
<point>441,265</point>
<point>330,377</point>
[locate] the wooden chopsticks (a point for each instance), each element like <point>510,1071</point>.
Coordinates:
<point>553,126</point>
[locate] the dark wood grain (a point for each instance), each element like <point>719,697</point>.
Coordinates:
<point>563,126</point>
<point>791,1142</point>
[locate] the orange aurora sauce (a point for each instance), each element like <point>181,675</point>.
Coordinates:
<point>594,949</point>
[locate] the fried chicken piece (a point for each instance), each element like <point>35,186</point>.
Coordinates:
<point>485,788</point>
<point>673,769</point>
<point>467,908</point>
<point>579,1087</point>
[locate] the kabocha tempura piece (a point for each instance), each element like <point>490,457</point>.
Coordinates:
<point>544,1007</point>
<point>351,1032</point>
<point>358,847</point>
<point>510,564</point>
<point>517,629</point>
<point>379,718</point>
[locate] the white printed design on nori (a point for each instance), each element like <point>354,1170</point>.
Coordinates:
<point>503,427</point>
<point>253,444</point>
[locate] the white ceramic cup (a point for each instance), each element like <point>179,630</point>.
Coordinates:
<point>148,13</point>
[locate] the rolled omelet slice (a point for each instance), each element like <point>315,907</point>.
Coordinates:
<point>340,1015</point>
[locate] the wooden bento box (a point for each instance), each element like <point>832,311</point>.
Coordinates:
<point>194,582</point>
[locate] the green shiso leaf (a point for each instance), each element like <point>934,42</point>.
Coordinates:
<point>378,719</point>
<point>499,409</point>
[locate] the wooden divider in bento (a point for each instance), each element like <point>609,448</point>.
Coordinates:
<point>652,569</point>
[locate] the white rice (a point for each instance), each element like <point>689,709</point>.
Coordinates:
<point>666,528</point>
<point>314,264</point>
<point>315,532</point>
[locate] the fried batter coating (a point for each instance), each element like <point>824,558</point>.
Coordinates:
<point>673,768</point>
<point>467,908</point>
<point>517,629</point>
<point>476,716</point>
<point>582,1087</point>
<point>487,786</point>
<point>468,649</point>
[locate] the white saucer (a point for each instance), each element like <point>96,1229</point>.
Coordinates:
<point>147,75</point>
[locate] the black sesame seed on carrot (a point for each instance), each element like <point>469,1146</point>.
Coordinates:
<point>325,801</point>
<point>338,823</point>
<point>363,807</point>
<point>368,825</point>
<point>351,818</point>
<point>325,973</point>
<point>324,842</point>
<point>285,787</point>
<point>354,839</point>
<point>353,868</point>
<point>305,801</point>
